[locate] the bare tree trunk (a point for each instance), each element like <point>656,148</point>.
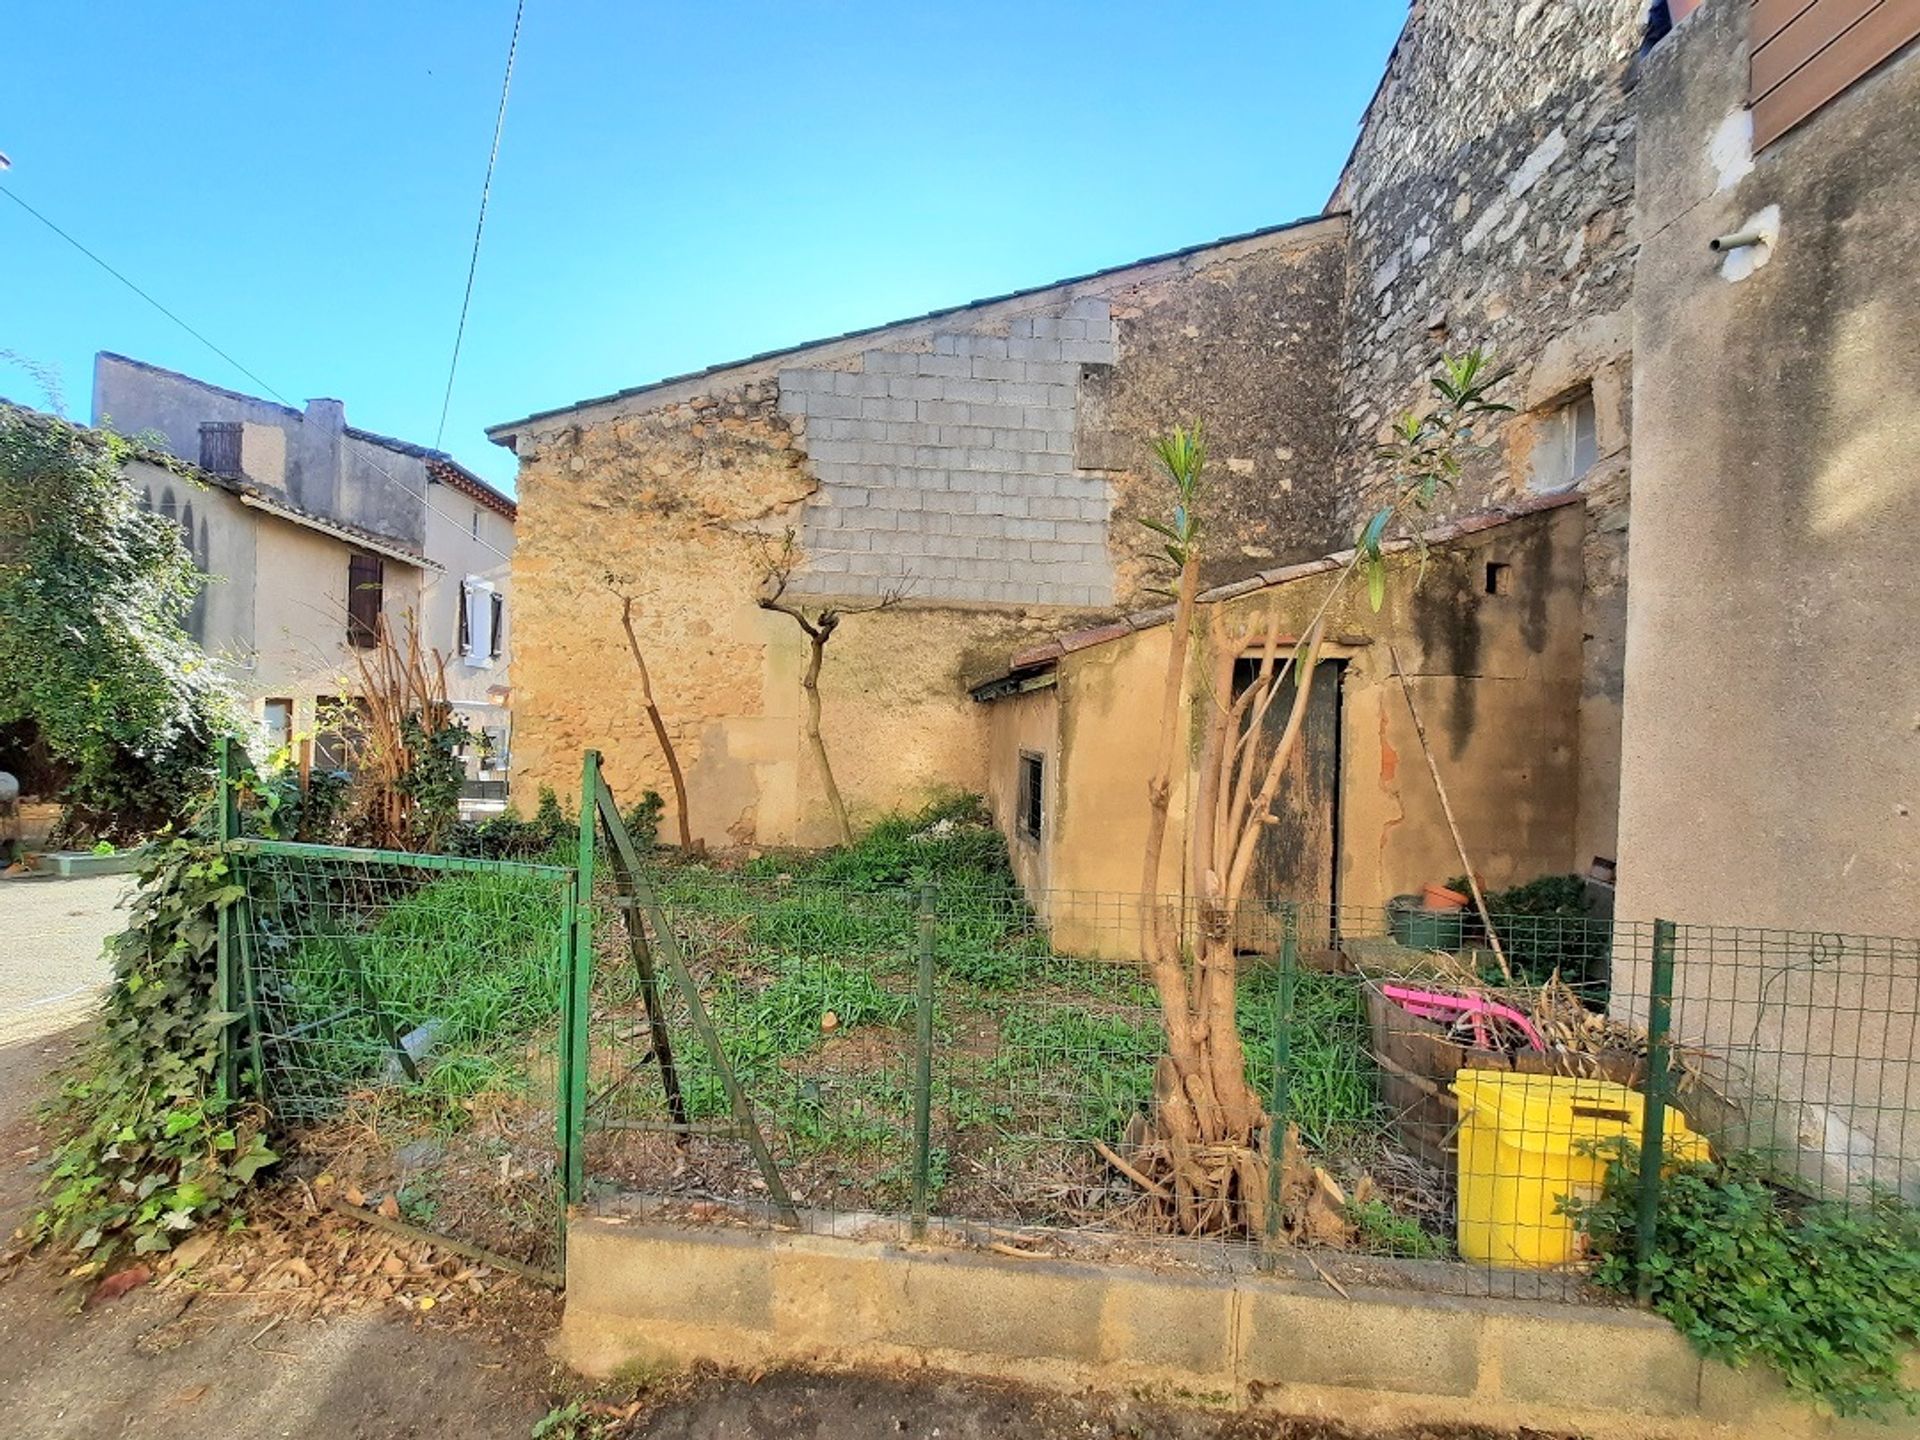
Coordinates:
<point>810,686</point>
<point>659,726</point>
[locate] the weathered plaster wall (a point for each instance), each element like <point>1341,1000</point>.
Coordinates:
<point>1777,426</point>
<point>1247,345</point>
<point>1017,725</point>
<point>1497,680</point>
<point>1772,756</point>
<point>958,457</point>
<point>680,504</point>
<point>1491,193</point>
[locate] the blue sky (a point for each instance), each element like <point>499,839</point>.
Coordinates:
<point>677,186</point>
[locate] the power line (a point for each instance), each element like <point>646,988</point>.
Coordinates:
<point>145,296</point>
<point>394,480</point>
<point>480,224</point>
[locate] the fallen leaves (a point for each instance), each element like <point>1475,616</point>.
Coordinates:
<point>119,1283</point>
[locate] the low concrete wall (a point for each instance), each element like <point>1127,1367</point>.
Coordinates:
<point>657,1293</point>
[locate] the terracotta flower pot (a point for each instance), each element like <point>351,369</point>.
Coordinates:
<point>1439,897</point>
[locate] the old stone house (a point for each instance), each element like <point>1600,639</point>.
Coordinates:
<point>424,537</point>
<point>1540,179</point>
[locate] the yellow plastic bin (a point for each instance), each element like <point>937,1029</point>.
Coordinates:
<point>1523,1140</point>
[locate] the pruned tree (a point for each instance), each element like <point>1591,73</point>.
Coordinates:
<point>621,586</point>
<point>1205,1155</point>
<point>818,625</point>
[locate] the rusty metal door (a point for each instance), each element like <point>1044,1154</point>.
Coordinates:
<point>1298,856</point>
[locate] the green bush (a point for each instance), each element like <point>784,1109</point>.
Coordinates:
<point>551,836</point>
<point>94,663</point>
<point>1826,1295</point>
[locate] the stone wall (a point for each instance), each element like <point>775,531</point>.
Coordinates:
<point>1491,193</point>
<point>986,461</point>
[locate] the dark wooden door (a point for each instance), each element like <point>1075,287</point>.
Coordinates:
<point>1297,857</point>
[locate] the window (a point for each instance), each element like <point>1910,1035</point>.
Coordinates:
<point>220,447</point>
<point>366,577</point>
<point>498,626</point>
<point>1564,445</point>
<point>476,523</point>
<point>1032,773</point>
<point>276,717</point>
<point>1499,578</point>
<point>1807,54</point>
<point>482,614</point>
<point>340,723</point>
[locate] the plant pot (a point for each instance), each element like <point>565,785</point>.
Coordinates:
<point>1418,927</point>
<point>1439,897</point>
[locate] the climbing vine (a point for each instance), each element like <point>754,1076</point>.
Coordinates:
<point>149,1152</point>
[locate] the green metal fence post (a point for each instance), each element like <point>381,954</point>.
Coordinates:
<point>1281,1099</point>
<point>226,827</point>
<point>923,1065</point>
<point>573,1036</point>
<point>1653,1125</point>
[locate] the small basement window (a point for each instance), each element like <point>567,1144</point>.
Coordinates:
<point>1499,578</point>
<point>1029,814</point>
<point>1564,445</point>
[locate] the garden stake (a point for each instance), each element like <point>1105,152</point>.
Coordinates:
<point>225,827</point>
<point>923,1067</point>
<point>669,947</point>
<point>1653,1120</point>
<point>661,1040</point>
<point>1459,845</point>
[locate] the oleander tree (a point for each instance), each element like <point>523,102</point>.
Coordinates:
<point>1204,1155</point>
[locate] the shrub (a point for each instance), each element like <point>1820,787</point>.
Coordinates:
<point>1828,1296</point>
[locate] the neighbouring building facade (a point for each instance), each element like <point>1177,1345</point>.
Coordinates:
<point>386,530</point>
<point>1537,179</point>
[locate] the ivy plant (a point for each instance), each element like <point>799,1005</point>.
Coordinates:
<point>95,666</point>
<point>148,1151</point>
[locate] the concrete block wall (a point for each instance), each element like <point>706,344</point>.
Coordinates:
<point>948,470</point>
<point>663,1294</point>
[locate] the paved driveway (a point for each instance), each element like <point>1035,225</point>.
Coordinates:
<point>52,956</point>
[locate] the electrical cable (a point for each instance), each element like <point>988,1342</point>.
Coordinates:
<point>480,224</point>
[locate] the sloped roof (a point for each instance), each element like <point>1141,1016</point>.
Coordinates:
<point>1032,659</point>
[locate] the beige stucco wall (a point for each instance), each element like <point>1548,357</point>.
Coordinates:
<point>1771,749</point>
<point>1498,682</point>
<point>1771,758</point>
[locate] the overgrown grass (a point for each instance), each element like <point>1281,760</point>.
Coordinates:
<point>474,960</point>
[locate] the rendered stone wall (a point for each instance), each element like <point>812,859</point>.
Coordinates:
<point>1492,200</point>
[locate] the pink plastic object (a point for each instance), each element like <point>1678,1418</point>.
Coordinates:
<point>1434,1005</point>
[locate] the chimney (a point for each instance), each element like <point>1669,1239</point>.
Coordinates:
<point>316,484</point>
<point>327,416</point>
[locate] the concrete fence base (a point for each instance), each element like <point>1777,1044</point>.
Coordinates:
<point>656,1293</point>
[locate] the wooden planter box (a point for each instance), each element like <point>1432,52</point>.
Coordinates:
<point>1418,1060</point>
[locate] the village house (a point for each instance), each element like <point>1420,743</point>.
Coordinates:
<point>1542,181</point>
<point>314,536</point>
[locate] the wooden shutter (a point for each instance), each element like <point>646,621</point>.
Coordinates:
<point>1806,52</point>
<point>365,578</point>
<point>466,625</point>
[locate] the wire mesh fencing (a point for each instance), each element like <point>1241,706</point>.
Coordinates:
<point>1404,1094</point>
<point>407,1028</point>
